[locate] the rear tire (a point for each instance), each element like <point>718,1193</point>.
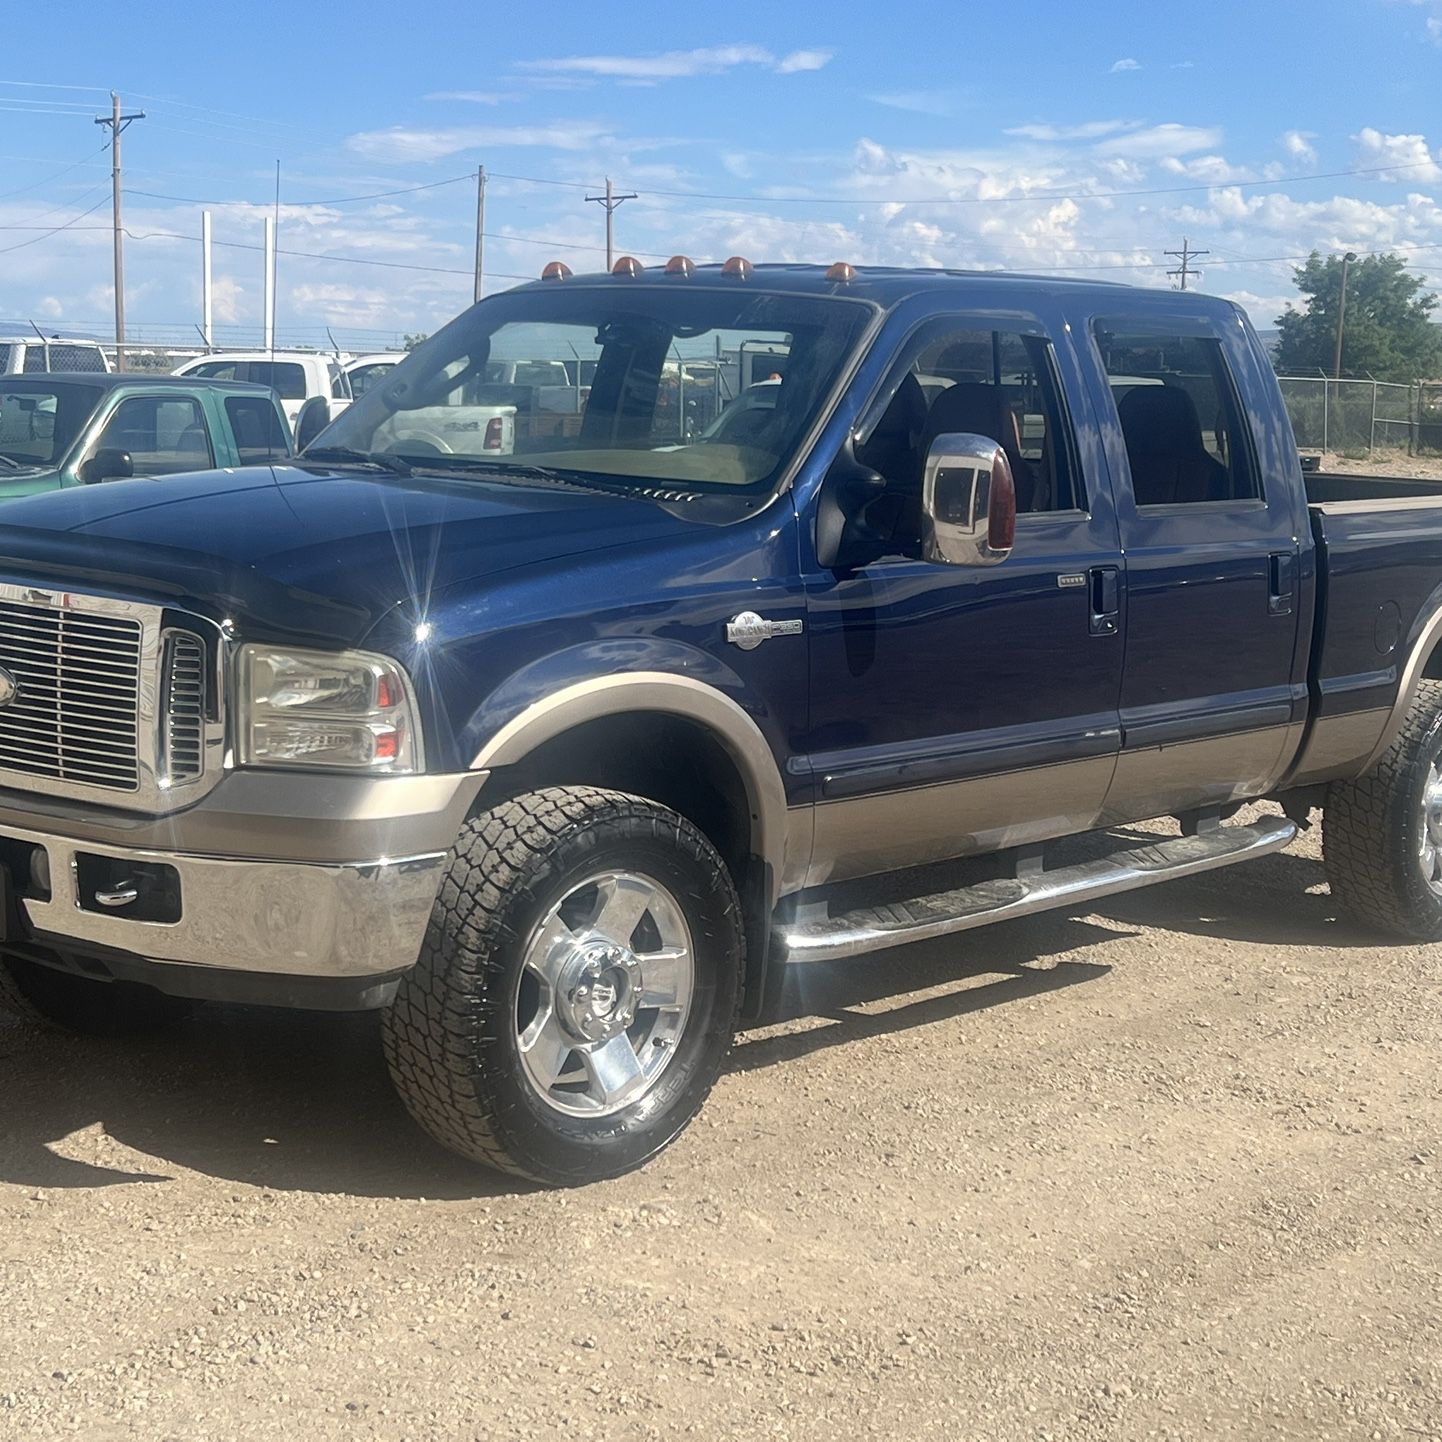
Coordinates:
<point>1382,833</point>
<point>42,997</point>
<point>577,990</point>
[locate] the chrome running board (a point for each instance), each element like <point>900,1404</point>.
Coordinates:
<point>854,933</point>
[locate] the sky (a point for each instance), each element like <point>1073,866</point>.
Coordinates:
<point>1049,137</point>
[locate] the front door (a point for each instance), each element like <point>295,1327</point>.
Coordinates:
<point>958,710</point>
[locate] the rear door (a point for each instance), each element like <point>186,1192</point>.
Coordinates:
<point>1213,689</point>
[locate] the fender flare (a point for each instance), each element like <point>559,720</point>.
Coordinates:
<point>659,691</point>
<point>1424,643</point>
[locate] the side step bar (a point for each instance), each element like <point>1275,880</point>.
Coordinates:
<point>854,933</point>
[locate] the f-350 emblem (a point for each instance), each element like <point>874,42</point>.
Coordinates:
<point>748,630</point>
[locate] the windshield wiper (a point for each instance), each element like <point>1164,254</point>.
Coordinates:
<point>13,465</point>
<point>385,462</point>
<point>502,471</point>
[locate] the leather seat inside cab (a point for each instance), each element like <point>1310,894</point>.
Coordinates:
<point>970,407</point>
<point>1169,462</point>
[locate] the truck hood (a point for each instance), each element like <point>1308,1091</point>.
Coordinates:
<point>304,552</point>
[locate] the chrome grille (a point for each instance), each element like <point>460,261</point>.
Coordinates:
<point>183,701</point>
<point>73,714</point>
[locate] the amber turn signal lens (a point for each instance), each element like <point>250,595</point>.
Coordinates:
<point>556,270</point>
<point>627,265</point>
<point>738,266</point>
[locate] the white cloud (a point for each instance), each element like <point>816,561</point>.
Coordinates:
<point>1157,141</point>
<point>917,102</point>
<point>677,64</point>
<point>401,143</point>
<point>472,97</point>
<point>1408,153</point>
<point>1298,144</point>
<point>1208,169</point>
<point>1118,66</point>
<point>802,60</point>
<point>1087,130</point>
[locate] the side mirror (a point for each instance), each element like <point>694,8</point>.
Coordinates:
<point>314,417</point>
<point>107,465</point>
<point>968,502</point>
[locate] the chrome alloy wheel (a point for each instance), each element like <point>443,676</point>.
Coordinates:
<point>605,990</point>
<point>1430,844</point>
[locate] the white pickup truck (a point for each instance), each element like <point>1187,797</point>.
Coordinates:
<point>295,376</point>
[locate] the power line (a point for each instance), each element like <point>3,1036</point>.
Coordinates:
<point>35,240</point>
<point>610,200</point>
<point>330,200</point>
<point>35,185</point>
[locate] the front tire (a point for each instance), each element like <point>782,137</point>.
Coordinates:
<point>1382,833</point>
<point>577,991</point>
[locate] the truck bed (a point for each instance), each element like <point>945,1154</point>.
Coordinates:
<point>1332,486</point>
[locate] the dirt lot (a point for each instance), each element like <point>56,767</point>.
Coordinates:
<point>1385,463</point>
<point>1166,1170</point>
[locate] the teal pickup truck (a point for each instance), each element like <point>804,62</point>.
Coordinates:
<point>70,429</point>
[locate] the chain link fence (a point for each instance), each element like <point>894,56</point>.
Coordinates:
<point>1355,418</point>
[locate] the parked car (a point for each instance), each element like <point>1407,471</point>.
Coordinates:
<point>364,371</point>
<point>295,376</point>
<point>66,430</point>
<point>25,355</point>
<point>560,757</point>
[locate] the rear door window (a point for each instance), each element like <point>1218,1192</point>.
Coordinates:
<point>1185,437</point>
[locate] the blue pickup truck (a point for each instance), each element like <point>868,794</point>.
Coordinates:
<point>561,756</point>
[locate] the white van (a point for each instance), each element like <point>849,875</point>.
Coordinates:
<point>29,355</point>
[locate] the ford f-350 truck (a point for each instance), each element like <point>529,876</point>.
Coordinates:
<point>560,757</point>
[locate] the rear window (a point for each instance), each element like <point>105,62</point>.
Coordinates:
<point>339,382</point>
<point>259,436</point>
<point>76,358</point>
<point>286,378</point>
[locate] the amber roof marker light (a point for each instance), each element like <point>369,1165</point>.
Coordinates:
<point>556,270</point>
<point>841,273</point>
<point>681,265</point>
<point>738,267</point>
<point>628,265</point>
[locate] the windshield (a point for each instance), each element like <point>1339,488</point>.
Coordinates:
<point>38,423</point>
<point>625,382</point>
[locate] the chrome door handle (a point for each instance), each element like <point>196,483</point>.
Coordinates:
<point>123,895</point>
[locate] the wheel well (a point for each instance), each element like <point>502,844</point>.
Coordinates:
<point>1432,671</point>
<point>668,759</point>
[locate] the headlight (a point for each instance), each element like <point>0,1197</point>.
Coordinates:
<point>346,709</point>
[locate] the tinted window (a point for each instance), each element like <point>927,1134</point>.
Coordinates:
<point>218,370</point>
<point>1180,418</point>
<point>163,434</point>
<point>39,423</point>
<point>4,358</point>
<point>339,382</point>
<point>364,377</point>
<point>259,436</point>
<point>966,380</point>
<point>76,358</point>
<point>34,359</point>
<point>287,378</point>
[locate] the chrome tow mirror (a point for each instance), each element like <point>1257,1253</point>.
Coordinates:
<point>968,502</point>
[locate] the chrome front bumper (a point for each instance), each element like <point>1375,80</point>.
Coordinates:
<point>293,911</point>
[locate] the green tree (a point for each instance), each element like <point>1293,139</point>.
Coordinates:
<point>1388,331</point>
<point>409,342</point>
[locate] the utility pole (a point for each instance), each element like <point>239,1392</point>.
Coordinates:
<point>1186,256</point>
<point>206,329</point>
<point>1347,260</point>
<point>480,230</point>
<point>117,124</point>
<point>610,200</point>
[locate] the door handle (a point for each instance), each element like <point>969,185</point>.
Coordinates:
<point>1104,585</point>
<point>1281,582</point>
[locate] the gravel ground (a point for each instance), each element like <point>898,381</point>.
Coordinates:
<point>1169,1169</point>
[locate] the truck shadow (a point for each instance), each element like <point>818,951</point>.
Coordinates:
<point>282,1100</point>
<point>302,1101</point>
